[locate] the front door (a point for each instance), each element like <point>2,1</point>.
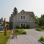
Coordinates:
<point>22,25</point>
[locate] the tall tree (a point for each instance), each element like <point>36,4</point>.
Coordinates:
<point>15,11</point>
<point>36,19</point>
<point>41,20</point>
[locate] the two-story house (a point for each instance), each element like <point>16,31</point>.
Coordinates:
<point>23,18</point>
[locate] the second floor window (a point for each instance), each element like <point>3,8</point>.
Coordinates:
<point>22,17</point>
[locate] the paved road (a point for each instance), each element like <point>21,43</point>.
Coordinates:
<point>31,38</point>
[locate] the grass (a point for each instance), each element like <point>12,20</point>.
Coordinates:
<point>4,39</point>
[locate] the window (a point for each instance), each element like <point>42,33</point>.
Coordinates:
<point>22,17</point>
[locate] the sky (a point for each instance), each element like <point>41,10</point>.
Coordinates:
<point>7,6</point>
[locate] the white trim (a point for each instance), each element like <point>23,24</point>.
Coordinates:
<point>22,18</point>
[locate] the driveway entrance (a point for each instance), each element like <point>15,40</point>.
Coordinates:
<point>31,38</point>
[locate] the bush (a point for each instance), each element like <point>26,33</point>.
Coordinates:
<point>23,27</point>
<point>19,31</point>
<point>42,27</point>
<point>38,29</point>
<point>27,26</point>
<point>24,32</point>
<point>17,27</point>
<point>41,38</point>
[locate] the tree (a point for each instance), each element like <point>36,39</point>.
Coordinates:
<point>11,22</point>
<point>41,20</point>
<point>15,11</point>
<point>36,19</point>
<point>42,15</point>
<point>7,22</point>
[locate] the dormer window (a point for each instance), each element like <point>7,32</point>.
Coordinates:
<point>22,17</point>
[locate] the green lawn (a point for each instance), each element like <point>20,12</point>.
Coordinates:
<point>4,39</point>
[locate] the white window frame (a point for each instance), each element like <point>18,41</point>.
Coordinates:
<point>22,16</point>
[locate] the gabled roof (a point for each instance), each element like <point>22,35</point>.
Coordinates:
<point>31,14</point>
<point>28,12</point>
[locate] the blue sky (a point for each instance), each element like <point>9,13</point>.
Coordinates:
<point>7,6</point>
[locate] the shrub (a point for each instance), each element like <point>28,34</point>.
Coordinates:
<point>17,27</point>
<point>38,29</point>
<point>41,38</point>
<point>24,32</point>
<point>28,26</point>
<point>42,27</point>
<point>23,27</point>
<point>19,31</point>
<point>16,30</point>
